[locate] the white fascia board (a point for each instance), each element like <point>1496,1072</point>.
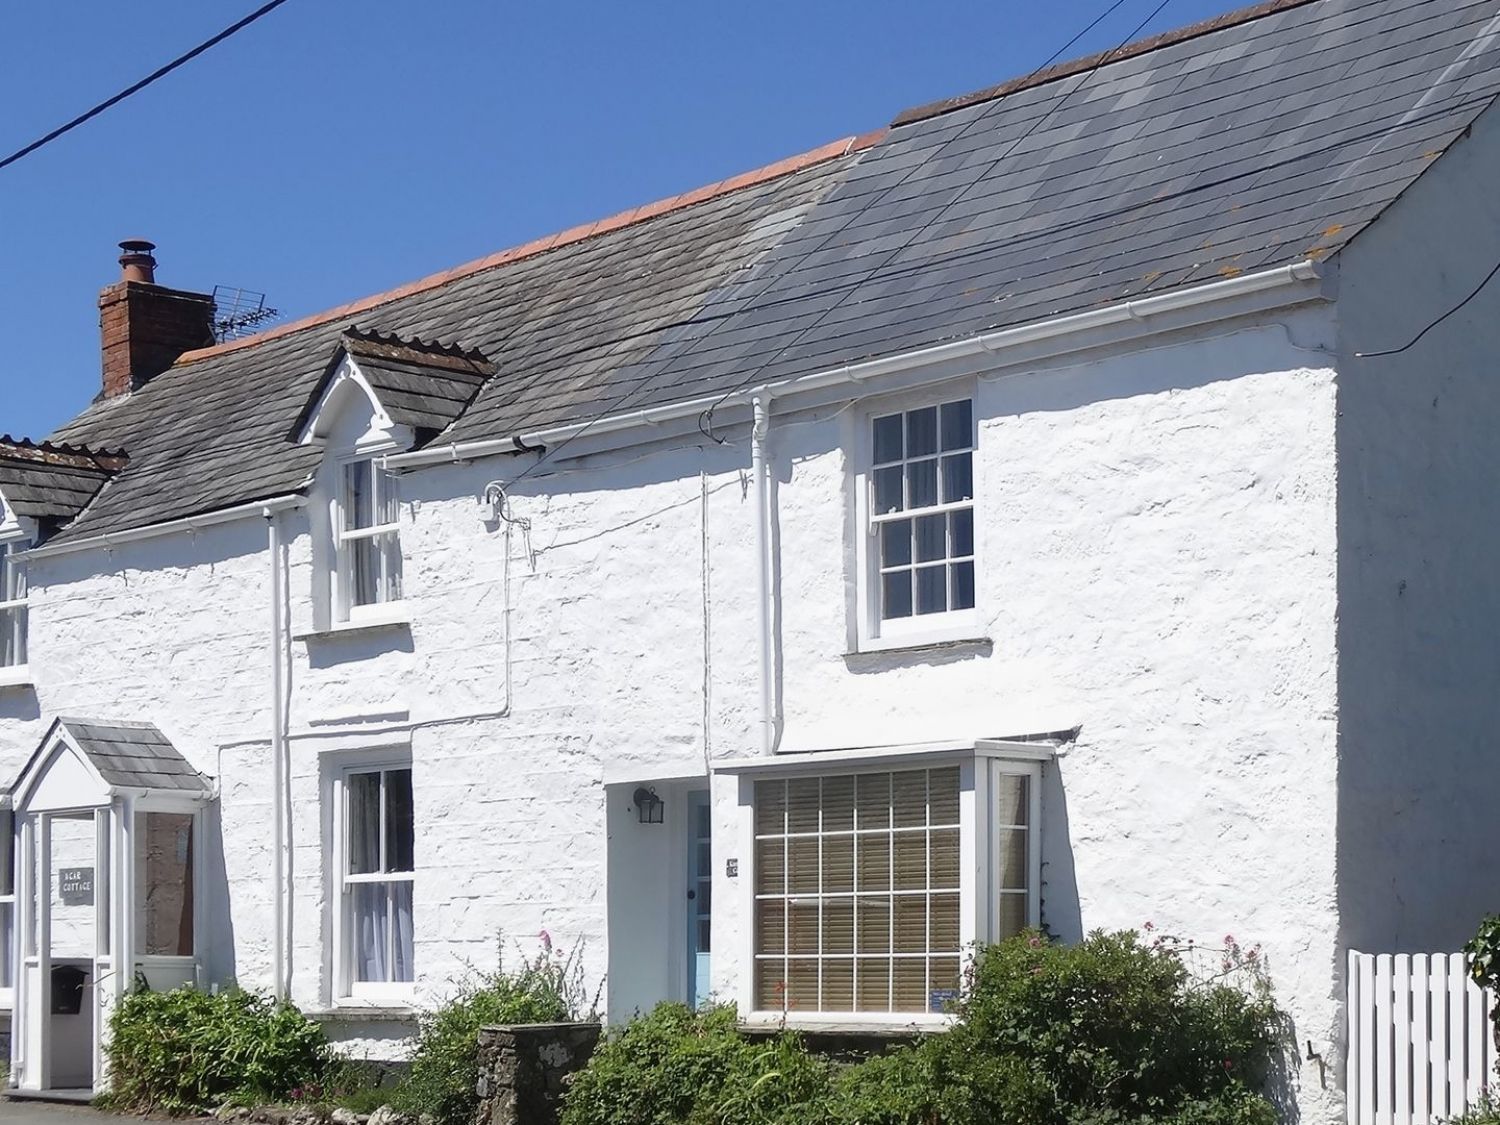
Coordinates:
<point>266,508</point>
<point>1283,286</point>
<point>812,761</point>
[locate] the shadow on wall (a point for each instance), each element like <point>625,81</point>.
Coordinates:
<point>1062,916</point>
<point>19,704</point>
<point>216,943</point>
<point>329,650</point>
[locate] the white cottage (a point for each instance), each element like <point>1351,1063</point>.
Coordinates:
<point>1030,514</point>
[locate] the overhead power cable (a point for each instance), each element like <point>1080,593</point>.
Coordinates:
<point>162,72</point>
<point>1454,311</point>
<point>632,392</point>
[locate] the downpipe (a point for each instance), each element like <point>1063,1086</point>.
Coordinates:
<point>278,760</point>
<point>759,432</point>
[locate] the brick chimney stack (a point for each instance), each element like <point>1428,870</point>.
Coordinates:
<point>143,326</point>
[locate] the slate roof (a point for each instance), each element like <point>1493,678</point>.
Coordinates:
<point>52,483</point>
<point>134,756</point>
<point>1260,139</point>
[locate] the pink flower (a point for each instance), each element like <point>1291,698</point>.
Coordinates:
<point>1034,941</point>
<point>546,940</point>
<point>1149,926</point>
<point>1229,940</point>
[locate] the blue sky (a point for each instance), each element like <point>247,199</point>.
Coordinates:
<point>341,147</point>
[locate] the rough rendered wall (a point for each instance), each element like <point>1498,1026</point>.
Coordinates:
<point>1157,553</point>
<point>1419,528</point>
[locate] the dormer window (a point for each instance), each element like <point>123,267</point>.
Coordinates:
<point>12,604</point>
<point>369,538</point>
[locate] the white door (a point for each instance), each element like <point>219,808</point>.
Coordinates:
<point>700,897</point>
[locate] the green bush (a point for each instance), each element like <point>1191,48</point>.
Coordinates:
<point>675,1066</point>
<point>1487,1112</point>
<point>1113,1031</point>
<point>186,1051</point>
<point>545,989</point>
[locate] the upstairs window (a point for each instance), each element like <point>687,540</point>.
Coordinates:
<point>368,538</point>
<point>12,604</point>
<point>378,865</point>
<point>921,514</point>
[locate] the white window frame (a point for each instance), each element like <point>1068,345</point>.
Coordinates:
<point>343,537</point>
<point>15,672</point>
<point>979,836</point>
<point>346,990</point>
<point>9,952</point>
<point>872,632</point>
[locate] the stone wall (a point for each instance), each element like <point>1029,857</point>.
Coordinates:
<point>523,1070</point>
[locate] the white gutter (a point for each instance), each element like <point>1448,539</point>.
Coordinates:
<point>762,489</point>
<point>988,343</point>
<point>278,754</point>
<point>187,523</point>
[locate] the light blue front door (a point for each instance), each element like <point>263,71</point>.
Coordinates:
<point>700,897</point>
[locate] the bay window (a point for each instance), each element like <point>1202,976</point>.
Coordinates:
<point>375,882</point>
<point>919,503</point>
<point>12,604</point>
<point>862,903</point>
<point>367,538</point>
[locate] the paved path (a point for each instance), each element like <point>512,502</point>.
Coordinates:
<point>45,1113</point>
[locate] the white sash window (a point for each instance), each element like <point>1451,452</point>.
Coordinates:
<point>12,604</point>
<point>368,538</point>
<point>376,882</point>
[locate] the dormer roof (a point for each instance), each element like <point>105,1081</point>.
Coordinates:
<point>52,483</point>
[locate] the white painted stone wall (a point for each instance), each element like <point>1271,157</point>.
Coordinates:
<point>1157,567</point>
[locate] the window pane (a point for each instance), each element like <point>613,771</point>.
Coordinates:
<point>962,577</point>
<point>371,932</point>
<point>387,495</point>
<point>910,858</point>
<point>1012,806</point>
<point>911,984</point>
<point>943,795</point>
<point>803,794</point>
<point>944,924</point>
<point>838,925</point>
<point>838,986</point>
<point>944,858</point>
<point>958,424</point>
<point>7,853</point>
<point>1012,873</point>
<point>945,974</point>
<point>958,477</point>
<point>873,984</point>
<point>961,533</point>
<point>802,985</point>
<point>164,884</point>
<point>770,983</point>
<point>921,432</point>
<point>895,595</point>
<point>932,589</point>
<point>873,797</point>
<point>932,538</point>
<point>390,571</point>
<point>838,864</point>
<point>12,637</point>
<point>888,491</point>
<point>802,926</point>
<point>359,508</point>
<point>921,484</point>
<point>363,831</point>
<point>874,934</point>
<point>802,865</point>
<point>1012,915</point>
<point>7,942</point>
<point>399,826</point>
<point>874,862</point>
<point>364,571</point>
<point>909,798</point>
<point>770,807</point>
<point>401,934</point>
<point>895,543</point>
<point>909,923</point>
<point>838,804</point>
<point>888,439</point>
<point>770,867</point>
<point>770,926</point>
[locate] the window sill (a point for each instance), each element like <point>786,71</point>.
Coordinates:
<point>853,1023</point>
<point>393,616</point>
<point>966,636</point>
<point>355,1009</point>
<point>15,675</point>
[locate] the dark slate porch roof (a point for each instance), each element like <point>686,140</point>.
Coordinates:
<point>133,756</point>
<point>1264,138</point>
<point>49,483</point>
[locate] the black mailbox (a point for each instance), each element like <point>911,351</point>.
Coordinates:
<point>67,989</point>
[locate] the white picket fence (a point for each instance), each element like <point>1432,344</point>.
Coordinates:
<point>1420,1047</point>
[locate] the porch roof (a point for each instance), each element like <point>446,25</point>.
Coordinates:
<point>134,756</point>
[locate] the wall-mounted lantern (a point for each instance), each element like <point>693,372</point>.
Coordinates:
<point>648,806</point>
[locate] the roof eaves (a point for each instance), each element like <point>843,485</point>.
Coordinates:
<point>1083,65</point>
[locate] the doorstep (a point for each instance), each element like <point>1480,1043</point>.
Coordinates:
<point>60,1097</point>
